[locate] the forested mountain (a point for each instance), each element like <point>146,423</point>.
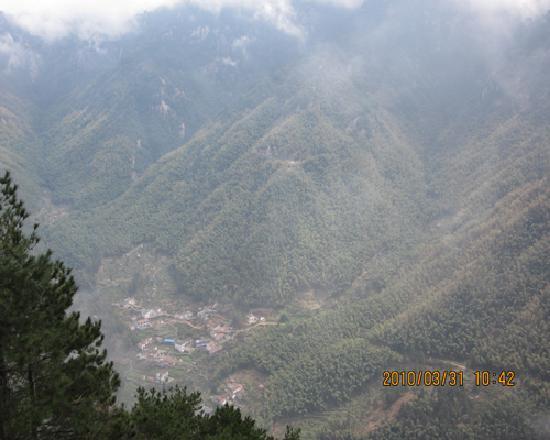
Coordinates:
<point>388,162</point>
<point>55,382</point>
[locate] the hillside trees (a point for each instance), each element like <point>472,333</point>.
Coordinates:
<point>55,380</point>
<point>502,417</point>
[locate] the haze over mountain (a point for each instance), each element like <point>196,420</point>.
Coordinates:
<point>375,173</point>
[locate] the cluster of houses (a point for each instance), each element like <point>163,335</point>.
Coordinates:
<point>206,318</point>
<point>149,349</point>
<point>141,324</point>
<point>154,354</point>
<point>188,346</point>
<point>148,316</point>
<point>205,313</point>
<point>164,351</point>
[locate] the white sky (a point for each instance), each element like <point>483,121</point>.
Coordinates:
<point>525,8</point>
<point>53,19</point>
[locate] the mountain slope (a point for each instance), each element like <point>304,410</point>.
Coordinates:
<point>392,166</point>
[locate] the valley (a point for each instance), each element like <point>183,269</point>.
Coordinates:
<point>172,340</point>
<point>275,218</point>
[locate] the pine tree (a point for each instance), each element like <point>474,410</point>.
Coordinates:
<point>55,381</point>
<point>177,415</point>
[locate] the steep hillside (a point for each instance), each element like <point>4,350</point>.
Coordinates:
<point>478,297</point>
<point>276,201</point>
<point>17,139</point>
<point>472,291</point>
<point>475,293</point>
<point>378,186</point>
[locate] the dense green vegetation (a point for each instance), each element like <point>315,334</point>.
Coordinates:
<point>478,296</point>
<point>470,302</point>
<point>393,164</point>
<point>55,381</point>
<point>503,417</point>
<point>257,221</point>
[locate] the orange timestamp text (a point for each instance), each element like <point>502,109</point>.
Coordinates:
<point>429,378</point>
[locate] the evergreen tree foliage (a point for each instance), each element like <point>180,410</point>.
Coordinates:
<point>177,415</point>
<point>55,380</point>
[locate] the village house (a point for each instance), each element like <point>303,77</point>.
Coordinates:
<point>129,303</point>
<point>152,313</point>
<point>163,378</point>
<point>213,347</point>
<point>201,344</point>
<point>220,332</point>
<point>184,316</point>
<point>206,312</point>
<point>142,324</point>
<point>181,348</point>
<point>145,343</point>
<point>148,314</point>
<point>235,389</point>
